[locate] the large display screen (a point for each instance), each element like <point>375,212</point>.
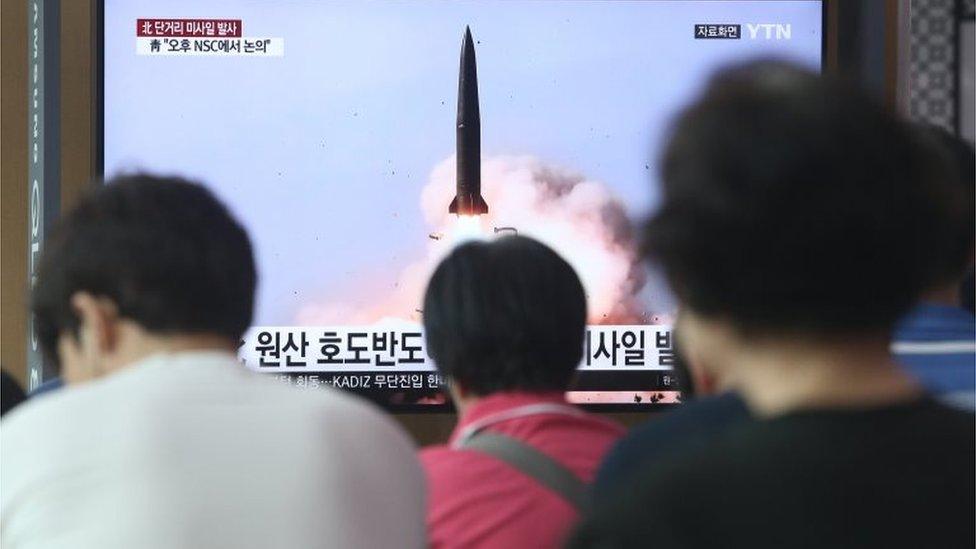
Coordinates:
<point>359,141</point>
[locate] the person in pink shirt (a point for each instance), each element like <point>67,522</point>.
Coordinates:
<point>505,321</point>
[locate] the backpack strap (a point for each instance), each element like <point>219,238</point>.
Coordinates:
<point>532,463</point>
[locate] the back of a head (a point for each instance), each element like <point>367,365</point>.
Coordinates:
<point>960,206</point>
<point>505,315</point>
<point>793,203</point>
<point>164,250</point>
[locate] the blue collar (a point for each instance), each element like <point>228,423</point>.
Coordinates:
<point>933,322</point>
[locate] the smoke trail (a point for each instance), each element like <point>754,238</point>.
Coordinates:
<point>577,217</point>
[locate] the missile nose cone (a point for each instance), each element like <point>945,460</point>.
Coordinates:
<point>467,48</point>
<point>468,81</point>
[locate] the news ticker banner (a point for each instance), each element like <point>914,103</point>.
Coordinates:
<point>202,37</point>
<point>622,364</point>
<point>618,348</point>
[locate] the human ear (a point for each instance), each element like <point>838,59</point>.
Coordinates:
<point>98,323</point>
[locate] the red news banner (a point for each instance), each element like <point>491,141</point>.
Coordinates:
<point>189,27</point>
<point>214,37</point>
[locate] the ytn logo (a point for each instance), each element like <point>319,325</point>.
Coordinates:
<point>769,31</point>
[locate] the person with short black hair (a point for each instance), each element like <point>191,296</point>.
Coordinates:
<point>504,321</point>
<point>796,227</point>
<point>936,340</point>
<point>505,316</point>
<point>161,438</point>
<point>157,256</point>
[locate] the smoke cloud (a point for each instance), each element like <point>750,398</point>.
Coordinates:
<point>577,217</point>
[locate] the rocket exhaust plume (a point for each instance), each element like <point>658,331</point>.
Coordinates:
<point>577,216</point>
<point>467,198</point>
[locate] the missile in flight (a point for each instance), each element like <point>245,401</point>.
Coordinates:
<point>468,200</point>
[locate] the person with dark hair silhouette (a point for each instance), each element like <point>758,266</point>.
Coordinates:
<point>799,221</point>
<point>505,322</point>
<point>161,438</point>
<point>936,341</point>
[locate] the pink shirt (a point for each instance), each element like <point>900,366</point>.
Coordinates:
<point>475,500</point>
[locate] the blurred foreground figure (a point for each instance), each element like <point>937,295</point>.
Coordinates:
<point>505,322</point>
<point>162,439</point>
<point>936,341</point>
<point>799,222</point>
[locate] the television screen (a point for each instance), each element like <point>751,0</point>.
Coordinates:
<point>359,141</point>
